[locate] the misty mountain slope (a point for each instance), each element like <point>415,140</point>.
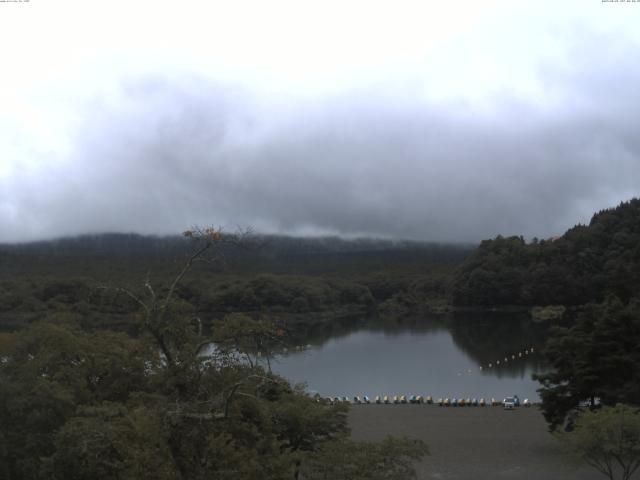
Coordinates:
<point>121,254</point>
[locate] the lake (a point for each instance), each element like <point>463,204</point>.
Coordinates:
<point>460,356</point>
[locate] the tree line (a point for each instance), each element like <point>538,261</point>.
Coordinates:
<point>586,264</point>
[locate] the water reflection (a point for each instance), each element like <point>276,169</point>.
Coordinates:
<point>494,337</point>
<point>437,356</point>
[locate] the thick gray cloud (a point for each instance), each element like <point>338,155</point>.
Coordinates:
<point>175,150</point>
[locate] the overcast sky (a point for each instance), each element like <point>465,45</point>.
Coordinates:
<point>445,121</point>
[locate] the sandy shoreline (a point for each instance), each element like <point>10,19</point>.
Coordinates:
<point>472,442</point>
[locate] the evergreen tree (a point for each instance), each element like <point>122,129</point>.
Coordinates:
<point>597,360</point>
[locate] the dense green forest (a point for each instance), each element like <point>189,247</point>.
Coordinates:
<point>301,280</point>
<point>314,280</point>
<point>596,357</point>
<point>584,265</point>
<point>82,399</point>
<point>79,403</point>
<point>592,356</point>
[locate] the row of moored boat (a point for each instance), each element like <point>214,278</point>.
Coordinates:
<point>417,399</point>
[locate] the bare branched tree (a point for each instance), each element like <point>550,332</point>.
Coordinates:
<point>156,308</point>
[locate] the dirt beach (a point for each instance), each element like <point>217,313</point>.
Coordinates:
<point>472,442</point>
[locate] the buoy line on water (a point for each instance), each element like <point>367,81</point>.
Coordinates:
<point>497,363</point>
<point>513,357</point>
<point>443,401</point>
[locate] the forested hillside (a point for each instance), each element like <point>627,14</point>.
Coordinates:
<point>119,254</point>
<point>306,279</point>
<point>584,265</point>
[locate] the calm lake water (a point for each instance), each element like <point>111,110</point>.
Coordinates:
<point>434,357</point>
